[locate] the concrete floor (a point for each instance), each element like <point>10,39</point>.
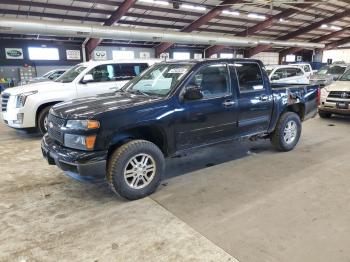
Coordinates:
<point>235,201</point>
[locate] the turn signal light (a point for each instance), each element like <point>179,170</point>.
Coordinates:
<point>90,142</point>
<point>93,124</point>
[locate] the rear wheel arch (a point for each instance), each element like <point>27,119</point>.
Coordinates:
<point>298,108</point>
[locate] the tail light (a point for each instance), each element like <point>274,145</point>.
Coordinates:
<point>318,96</point>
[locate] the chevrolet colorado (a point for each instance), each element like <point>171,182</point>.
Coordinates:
<point>173,107</point>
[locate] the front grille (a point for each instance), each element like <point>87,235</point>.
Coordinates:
<point>339,94</point>
<point>4,100</point>
<point>54,127</point>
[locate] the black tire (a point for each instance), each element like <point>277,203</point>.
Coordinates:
<point>278,136</point>
<point>42,115</point>
<point>119,161</point>
<point>323,114</point>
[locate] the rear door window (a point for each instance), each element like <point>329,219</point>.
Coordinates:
<point>128,71</point>
<point>249,77</point>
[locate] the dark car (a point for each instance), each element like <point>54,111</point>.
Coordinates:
<point>170,108</point>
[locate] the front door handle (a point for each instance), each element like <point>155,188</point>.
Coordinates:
<point>228,103</point>
<point>264,98</point>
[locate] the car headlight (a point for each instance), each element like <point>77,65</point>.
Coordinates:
<point>80,142</point>
<point>82,124</point>
<point>22,98</point>
<point>324,92</point>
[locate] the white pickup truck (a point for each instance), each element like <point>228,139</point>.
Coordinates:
<point>287,74</point>
<point>27,107</point>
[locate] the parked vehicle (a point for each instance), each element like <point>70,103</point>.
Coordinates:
<point>49,76</point>
<point>327,74</point>
<point>171,108</point>
<point>287,74</point>
<point>335,98</point>
<point>28,106</point>
<point>306,67</point>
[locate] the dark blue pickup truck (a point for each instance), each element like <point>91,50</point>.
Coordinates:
<point>170,108</point>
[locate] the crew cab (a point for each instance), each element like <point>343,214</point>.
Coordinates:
<point>170,108</point>
<point>27,107</point>
<point>287,74</point>
<point>335,98</point>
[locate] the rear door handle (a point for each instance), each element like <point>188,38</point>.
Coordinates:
<point>228,103</point>
<point>264,98</point>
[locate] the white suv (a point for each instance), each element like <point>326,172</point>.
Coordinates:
<point>287,74</point>
<point>335,98</point>
<point>26,107</point>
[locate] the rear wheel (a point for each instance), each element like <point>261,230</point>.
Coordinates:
<point>42,121</point>
<point>323,114</point>
<point>287,132</point>
<point>135,169</point>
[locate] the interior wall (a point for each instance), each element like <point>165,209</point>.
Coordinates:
<point>137,50</point>
<point>268,58</point>
<point>336,55</point>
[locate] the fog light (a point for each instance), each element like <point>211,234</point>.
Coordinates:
<point>19,119</point>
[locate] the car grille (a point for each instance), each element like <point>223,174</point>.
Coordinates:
<point>54,127</point>
<point>4,100</point>
<point>339,94</point>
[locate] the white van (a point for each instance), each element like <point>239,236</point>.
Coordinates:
<point>26,107</point>
<point>287,74</point>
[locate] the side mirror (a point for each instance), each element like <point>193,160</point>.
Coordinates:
<point>87,78</point>
<point>193,93</point>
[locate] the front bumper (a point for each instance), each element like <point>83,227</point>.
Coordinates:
<point>82,165</point>
<point>332,106</point>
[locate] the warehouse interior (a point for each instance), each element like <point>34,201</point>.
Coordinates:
<point>239,200</point>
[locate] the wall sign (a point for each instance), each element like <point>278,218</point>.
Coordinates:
<point>100,55</point>
<point>14,53</point>
<point>73,54</point>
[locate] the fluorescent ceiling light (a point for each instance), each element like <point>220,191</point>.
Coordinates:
<point>324,26</point>
<point>193,7</point>
<point>256,16</point>
<point>282,20</point>
<point>334,27</point>
<point>228,12</point>
<point>158,2</point>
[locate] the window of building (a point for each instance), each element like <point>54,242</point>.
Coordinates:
<point>226,55</point>
<point>122,54</point>
<point>43,53</point>
<point>290,58</point>
<point>181,55</point>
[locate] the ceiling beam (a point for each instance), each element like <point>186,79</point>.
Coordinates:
<point>294,50</point>
<point>338,43</point>
<point>303,30</point>
<point>216,11</point>
<point>258,27</point>
<point>115,17</point>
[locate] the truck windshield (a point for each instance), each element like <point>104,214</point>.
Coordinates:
<point>345,77</point>
<point>71,74</point>
<point>158,79</point>
<point>332,70</point>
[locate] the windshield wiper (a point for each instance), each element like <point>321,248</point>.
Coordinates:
<point>138,92</point>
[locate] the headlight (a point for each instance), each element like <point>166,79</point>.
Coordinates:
<point>82,124</point>
<point>21,98</point>
<point>79,142</point>
<point>324,92</point>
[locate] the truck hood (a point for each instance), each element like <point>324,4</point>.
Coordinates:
<point>88,107</point>
<point>339,86</point>
<point>321,77</point>
<point>40,87</point>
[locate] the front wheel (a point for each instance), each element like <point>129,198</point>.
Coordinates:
<point>287,132</point>
<point>135,169</point>
<point>42,122</point>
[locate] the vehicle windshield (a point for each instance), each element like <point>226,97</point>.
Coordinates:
<point>332,70</point>
<point>345,77</point>
<point>47,74</point>
<point>71,74</point>
<point>158,80</point>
